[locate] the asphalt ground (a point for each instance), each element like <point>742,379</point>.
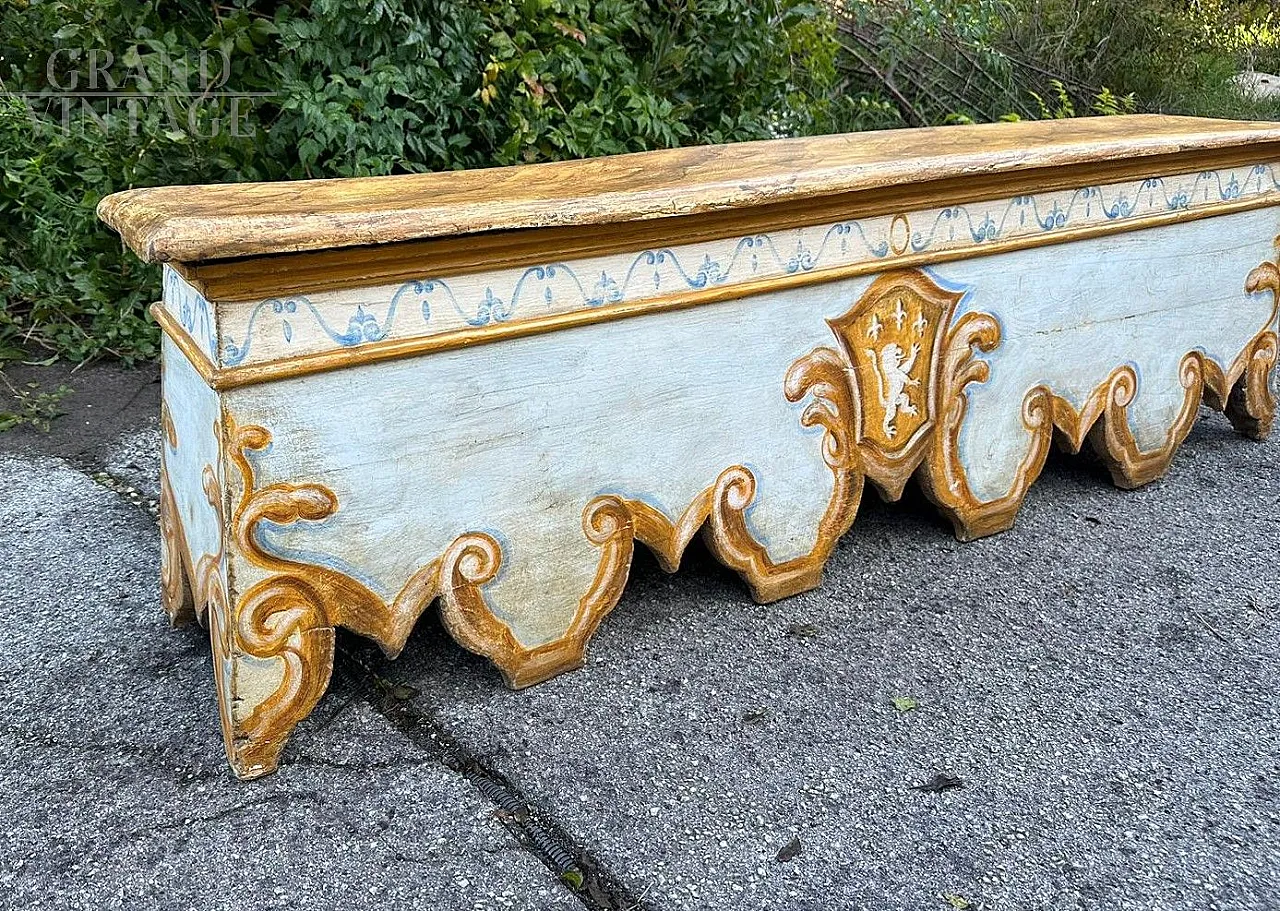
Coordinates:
<point>1090,698</point>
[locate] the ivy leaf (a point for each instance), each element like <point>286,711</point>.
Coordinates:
<point>575,33</point>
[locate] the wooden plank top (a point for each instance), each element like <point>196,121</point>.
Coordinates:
<point>199,224</point>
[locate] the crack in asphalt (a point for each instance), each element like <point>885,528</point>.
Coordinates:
<point>536,831</point>
<point>275,797</point>
<point>388,765</point>
<point>123,489</point>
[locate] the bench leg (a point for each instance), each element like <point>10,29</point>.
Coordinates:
<point>275,648</point>
<point>273,660</point>
<point>194,588</point>
<point>1112,439</point>
<point>1251,405</point>
<point>273,636</point>
<point>175,578</point>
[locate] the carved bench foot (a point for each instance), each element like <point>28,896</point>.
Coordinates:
<point>175,579</point>
<point>1251,403</point>
<point>260,703</point>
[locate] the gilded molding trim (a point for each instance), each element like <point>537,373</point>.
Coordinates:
<point>190,349</point>
<point>224,378</point>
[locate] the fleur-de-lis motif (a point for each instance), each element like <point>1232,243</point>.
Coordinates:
<point>899,313</point>
<point>875,327</point>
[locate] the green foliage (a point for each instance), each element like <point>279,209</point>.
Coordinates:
<point>30,406</point>
<point>1170,54</point>
<point>345,89</point>
<point>946,61</point>
<point>1060,105</point>
<point>377,88</point>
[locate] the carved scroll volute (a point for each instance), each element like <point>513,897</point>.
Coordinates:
<point>892,340</point>
<point>1251,405</point>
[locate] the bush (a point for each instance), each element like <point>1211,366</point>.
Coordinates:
<point>943,61</point>
<point>414,85</point>
<point>398,85</point>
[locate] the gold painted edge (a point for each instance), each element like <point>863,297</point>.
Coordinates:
<point>225,378</point>
<point>189,347</point>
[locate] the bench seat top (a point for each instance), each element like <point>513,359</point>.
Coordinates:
<point>226,221</point>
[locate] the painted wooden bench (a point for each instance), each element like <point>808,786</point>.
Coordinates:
<point>483,388</point>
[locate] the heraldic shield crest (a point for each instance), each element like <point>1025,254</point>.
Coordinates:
<point>891,340</point>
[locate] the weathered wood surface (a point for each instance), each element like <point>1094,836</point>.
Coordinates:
<point>497,440</point>
<point>189,224</point>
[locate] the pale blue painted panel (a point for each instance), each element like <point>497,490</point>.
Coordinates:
<point>194,410</point>
<point>516,438</point>
<point>193,312</point>
<point>1071,314</point>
